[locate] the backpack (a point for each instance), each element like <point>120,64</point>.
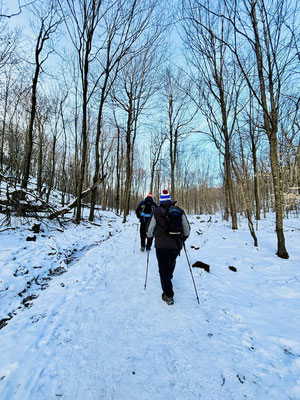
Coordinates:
<point>174,222</point>
<point>146,209</point>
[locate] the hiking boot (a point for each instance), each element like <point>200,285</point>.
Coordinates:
<point>168,300</point>
<point>142,249</point>
<point>148,248</point>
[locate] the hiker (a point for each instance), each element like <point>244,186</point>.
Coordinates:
<point>143,212</point>
<point>170,227</point>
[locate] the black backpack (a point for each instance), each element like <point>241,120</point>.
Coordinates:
<point>174,222</point>
<point>147,208</point>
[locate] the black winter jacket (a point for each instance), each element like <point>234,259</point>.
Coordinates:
<point>144,217</point>
<point>157,228</point>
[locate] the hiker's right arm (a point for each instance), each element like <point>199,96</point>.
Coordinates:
<point>138,210</point>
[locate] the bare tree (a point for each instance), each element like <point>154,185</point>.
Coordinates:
<point>84,17</point>
<point>16,119</point>
<point>125,23</point>
<point>56,128</point>
<point>219,83</point>
<point>241,170</point>
<point>48,23</point>
<point>42,117</point>
<point>269,32</point>
<point>134,89</point>
<point>254,137</point>
<point>269,100</point>
<point>180,114</point>
<point>8,88</point>
<point>275,50</point>
<point>8,60</point>
<point>158,139</point>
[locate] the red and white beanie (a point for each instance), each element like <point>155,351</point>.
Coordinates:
<point>149,195</point>
<point>164,196</point>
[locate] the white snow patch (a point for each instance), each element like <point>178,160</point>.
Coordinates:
<point>89,330</point>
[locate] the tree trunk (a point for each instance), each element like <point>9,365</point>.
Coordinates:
<point>3,131</point>
<point>118,172</point>
<point>225,194</point>
<point>63,164</point>
<point>97,143</point>
<point>83,162</point>
<point>40,158</point>
<point>152,177</point>
<point>52,171</point>
<point>128,164</point>
<point>231,200</point>
<point>29,135</point>
<point>256,179</point>
<point>281,250</point>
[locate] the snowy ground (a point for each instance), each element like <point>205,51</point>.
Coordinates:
<point>83,327</point>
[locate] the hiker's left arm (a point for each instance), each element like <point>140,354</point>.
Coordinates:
<point>185,226</point>
<point>151,227</point>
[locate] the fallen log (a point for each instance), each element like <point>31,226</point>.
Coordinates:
<point>73,204</point>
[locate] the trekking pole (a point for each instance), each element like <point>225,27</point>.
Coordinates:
<point>137,228</point>
<point>147,270</point>
<point>191,272</point>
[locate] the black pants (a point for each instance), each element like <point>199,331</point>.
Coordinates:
<point>166,264</point>
<point>143,229</point>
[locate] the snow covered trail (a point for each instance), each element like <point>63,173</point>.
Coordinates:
<point>95,333</point>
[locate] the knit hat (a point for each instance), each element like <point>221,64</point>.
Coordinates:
<point>164,196</point>
<point>149,195</point>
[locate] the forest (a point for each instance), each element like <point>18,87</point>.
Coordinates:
<point>103,101</point>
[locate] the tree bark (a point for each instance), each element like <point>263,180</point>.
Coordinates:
<point>256,178</point>
<point>29,135</point>
<point>128,161</point>
<point>40,158</point>
<point>231,199</point>
<point>281,249</point>
<point>52,170</point>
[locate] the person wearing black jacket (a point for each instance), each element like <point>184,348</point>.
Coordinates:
<point>144,212</point>
<point>167,247</point>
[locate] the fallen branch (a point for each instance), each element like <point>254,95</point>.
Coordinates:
<point>23,203</point>
<point>72,205</point>
<point>6,229</point>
